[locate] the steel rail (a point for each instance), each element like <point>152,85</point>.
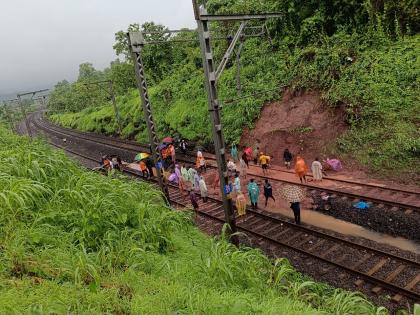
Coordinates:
<point>135,148</point>
<point>392,287</point>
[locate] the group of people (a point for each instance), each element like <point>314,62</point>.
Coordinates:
<point>190,179</point>
<point>110,162</point>
<point>301,169</point>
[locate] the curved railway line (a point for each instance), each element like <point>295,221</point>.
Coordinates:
<point>405,200</point>
<point>385,271</point>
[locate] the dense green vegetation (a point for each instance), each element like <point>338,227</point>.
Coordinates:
<point>361,55</point>
<point>76,242</point>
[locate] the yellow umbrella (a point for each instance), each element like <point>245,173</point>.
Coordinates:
<point>292,193</point>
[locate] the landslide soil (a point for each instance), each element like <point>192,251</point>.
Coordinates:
<point>302,123</point>
<point>298,122</point>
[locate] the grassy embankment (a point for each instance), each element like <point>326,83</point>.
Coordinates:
<point>373,78</point>
<point>75,242</point>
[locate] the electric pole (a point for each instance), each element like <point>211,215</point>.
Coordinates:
<point>136,43</point>
<point>19,97</point>
<point>214,111</point>
<point>212,75</point>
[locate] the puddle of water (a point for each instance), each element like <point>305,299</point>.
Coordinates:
<point>330,223</point>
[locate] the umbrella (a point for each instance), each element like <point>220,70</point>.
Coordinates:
<point>168,140</point>
<point>335,164</point>
<point>248,151</point>
<point>140,156</point>
<point>292,193</point>
<point>162,146</point>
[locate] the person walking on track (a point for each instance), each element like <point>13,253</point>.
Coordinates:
<point>264,161</point>
<point>287,157</point>
<point>316,170</point>
<point>203,189</point>
<point>193,199</point>
<point>301,169</point>
<point>295,206</point>
<point>268,192</point>
<point>253,192</point>
<point>241,204</point>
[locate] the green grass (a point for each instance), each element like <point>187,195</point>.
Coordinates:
<point>377,89</point>
<point>76,242</point>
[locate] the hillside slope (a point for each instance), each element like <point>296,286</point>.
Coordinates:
<point>373,81</point>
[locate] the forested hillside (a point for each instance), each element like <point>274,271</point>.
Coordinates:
<point>361,55</point>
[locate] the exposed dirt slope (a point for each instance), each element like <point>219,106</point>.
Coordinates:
<point>298,122</point>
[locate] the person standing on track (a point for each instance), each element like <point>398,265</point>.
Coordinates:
<point>316,170</point>
<point>231,166</point>
<point>203,189</point>
<point>183,146</point>
<point>287,157</point>
<point>237,184</point>
<point>234,152</point>
<point>242,167</point>
<point>268,192</point>
<point>255,154</point>
<point>241,204</point>
<point>301,169</point>
<point>295,206</point>
<point>245,159</point>
<point>193,199</point>
<point>196,181</point>
<point>143,169</point>
<point>264,161</point>
<point>202,165</point>
<point>172,152</point>
<point>149,165</point>
<point>179,178</point>
<point>253,192</point>
<point>216,183</point>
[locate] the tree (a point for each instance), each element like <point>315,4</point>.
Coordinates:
<point>87,73</point>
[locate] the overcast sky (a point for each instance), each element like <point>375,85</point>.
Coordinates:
<point>44,41</point>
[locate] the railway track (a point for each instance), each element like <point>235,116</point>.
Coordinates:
<point>385,271</point>
<point>397,199</point>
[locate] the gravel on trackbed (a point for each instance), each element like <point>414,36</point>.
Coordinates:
<point>379,219</point>
<point>319,271</point>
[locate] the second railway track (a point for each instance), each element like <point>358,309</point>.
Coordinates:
<point>405,200</point>
<point>383,270</point>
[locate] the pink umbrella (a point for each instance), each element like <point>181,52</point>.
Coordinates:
<point>248,151</point>
<point>167,140</point>
<point>335,164</point>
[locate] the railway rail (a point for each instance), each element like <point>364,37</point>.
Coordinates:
<point>406,200</point>
<point>385,271</point>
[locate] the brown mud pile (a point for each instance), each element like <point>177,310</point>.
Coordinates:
<point>298,122</point>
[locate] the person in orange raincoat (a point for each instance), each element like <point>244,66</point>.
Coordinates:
<point>301,169</point>
<point>143,169</point>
